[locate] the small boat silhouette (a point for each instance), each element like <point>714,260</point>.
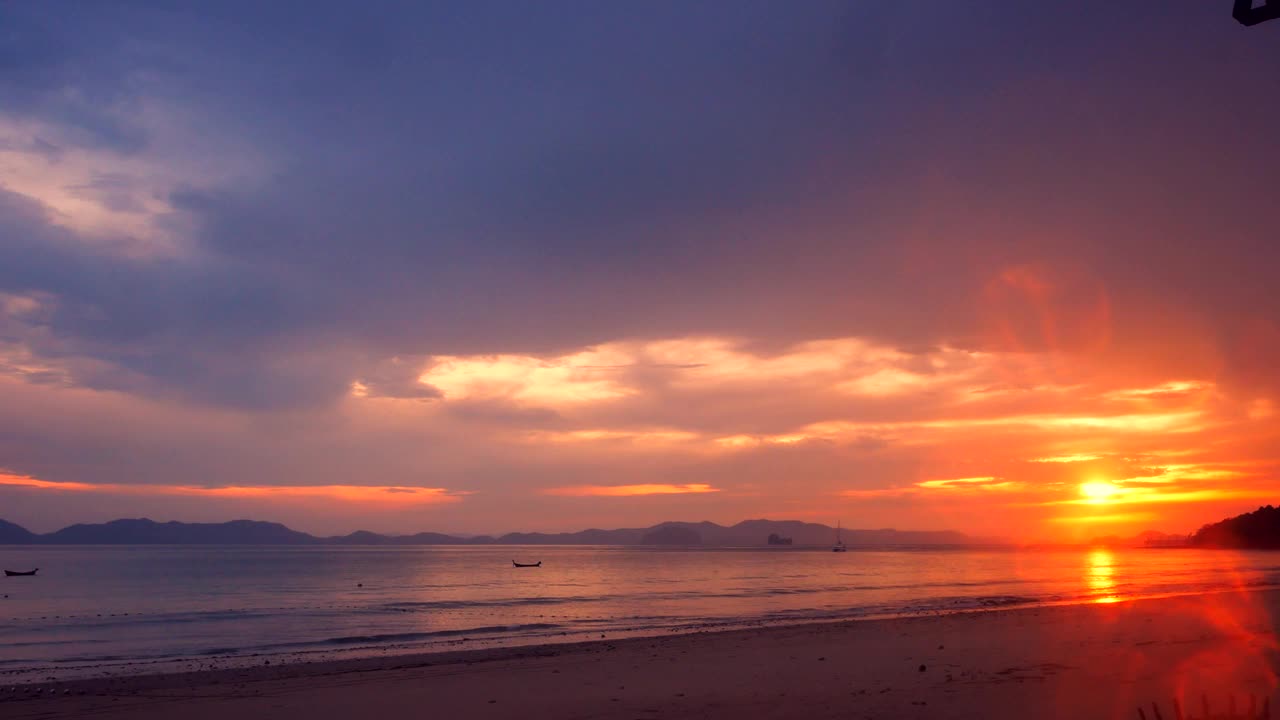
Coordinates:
<point>15,573</point>
<point>537,564</point>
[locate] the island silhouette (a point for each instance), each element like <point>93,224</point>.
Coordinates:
<point>1257,529</point>
<point>748,533</point>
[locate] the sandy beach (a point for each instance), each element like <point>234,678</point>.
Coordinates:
<point>1094,661</point>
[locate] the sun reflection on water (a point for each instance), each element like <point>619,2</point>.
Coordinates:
<point>1100,576</point>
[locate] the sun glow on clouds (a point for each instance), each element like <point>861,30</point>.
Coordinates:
<point>630,490</point>
<point>857,387</point>
<point>642,437</point>
<point>114,198</point>
<point>1105,518</point>
<point>738,442</point>
<point>1168,390</point>
<point>62,181</point>
<point>1089,501</point>
<point>944,486</point>
<point>622,372</point>
<point>886,382</point>
<point>1097,494</point>
<point>1123,423</point>
<point>609,372</point>
<point>344,493</point>
<point>713,403</point>
<point>1072,458</point>
<point>588,376</point>
<point>978,483</point>
<point>709,361</point>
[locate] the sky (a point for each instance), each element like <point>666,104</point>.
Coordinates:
<point>1002,267</point>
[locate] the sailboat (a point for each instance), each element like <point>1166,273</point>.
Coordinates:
<point>839,546</point>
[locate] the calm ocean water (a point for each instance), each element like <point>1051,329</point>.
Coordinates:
<point>94,610</point>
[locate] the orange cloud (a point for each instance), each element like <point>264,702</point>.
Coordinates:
<point>607,372</point>
<point>1128,495</point>
<point>735,442</point>
<point>347,493</point>
<point>582,377</point>
<point>629,436</point>
<point>350,493</point>
<point>26,481</point>
<point>1105,518</point>
<point>1071,458</point>
<point>629,490</point>
<point>1010,439</point>
<point>952,485</point>
<point>1185,422</point>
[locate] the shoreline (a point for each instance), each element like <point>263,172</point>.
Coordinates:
<point>1070,638</point>
<point>357,655</point>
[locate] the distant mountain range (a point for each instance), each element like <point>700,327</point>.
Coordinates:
<point>11,534</point>
<point>1148,538</point>
<point>748,533</point>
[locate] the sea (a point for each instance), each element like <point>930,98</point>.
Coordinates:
<point>112,610</point>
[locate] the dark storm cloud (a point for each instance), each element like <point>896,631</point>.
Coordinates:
<point>397,378</point>
<point>455,178</point>
<point>68,67</point>
<point>214,332</point>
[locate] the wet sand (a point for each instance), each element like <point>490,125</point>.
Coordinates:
<point>1094,661</point>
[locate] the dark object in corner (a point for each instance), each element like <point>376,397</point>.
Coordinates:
<point>537,564</point>
<point>1231,713</point>
<point>15,573</point>
<point>1248,15</point>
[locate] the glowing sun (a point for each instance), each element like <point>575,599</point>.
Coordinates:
<point>1098,491</point>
